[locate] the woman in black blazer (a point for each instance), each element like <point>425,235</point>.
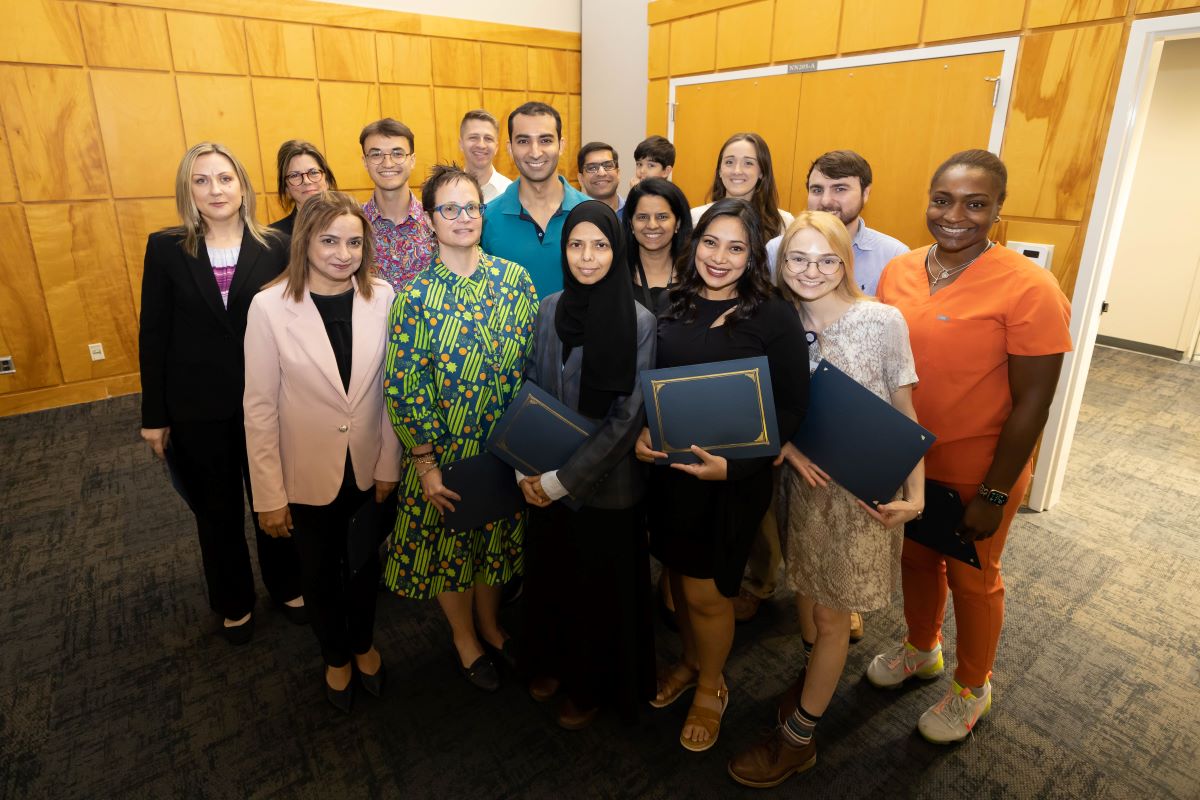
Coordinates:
<point>197,284</point>
<point>303,174</point>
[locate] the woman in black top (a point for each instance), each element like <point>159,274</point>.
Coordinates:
<point>303,173</point>
<point>706,514</point>
<point>657,226</point>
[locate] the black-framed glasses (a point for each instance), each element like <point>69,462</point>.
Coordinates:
<point>596,166</point>
<point>797,263</point>
<point>452,211</point>
<point>313,175</point>
<point>376,156</point>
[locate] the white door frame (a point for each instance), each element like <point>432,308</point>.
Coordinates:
<point>1146,37</point>
<point>1007,45</point>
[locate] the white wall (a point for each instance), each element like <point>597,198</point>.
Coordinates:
<point>559,15</point>
<point>616,44</point>
<point>1154,295</point>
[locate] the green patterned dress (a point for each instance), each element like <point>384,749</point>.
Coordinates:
<point>456,354</point>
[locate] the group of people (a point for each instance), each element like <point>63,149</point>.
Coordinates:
<point>351,353</point>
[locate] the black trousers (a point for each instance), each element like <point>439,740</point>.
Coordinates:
<point>210,458</point>
<point>341,606</point>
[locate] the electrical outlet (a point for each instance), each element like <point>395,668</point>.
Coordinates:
<point>97,351</point>
<point>6,365</point>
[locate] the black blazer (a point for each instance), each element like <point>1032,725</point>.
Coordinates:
<point>190,345</point>
<point>286,224</point>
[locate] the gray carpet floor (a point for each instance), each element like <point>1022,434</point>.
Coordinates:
<point>112,683</point>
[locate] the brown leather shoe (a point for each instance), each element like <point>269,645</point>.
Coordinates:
<point>772,761</point>
<point>790,699</point>
<point>571,718</point>
<point>856,626</point>
<point>543,689</point>
<point>745,606</point>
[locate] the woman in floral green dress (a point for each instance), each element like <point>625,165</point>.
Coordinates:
<point>459,339</point>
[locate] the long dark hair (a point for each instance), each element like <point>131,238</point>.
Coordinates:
<point>656,187</point>
<point>753,288</point>
<point>317,214</point>
<point>765,197</point>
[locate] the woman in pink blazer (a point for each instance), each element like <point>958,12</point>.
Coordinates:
<point>317,433</point>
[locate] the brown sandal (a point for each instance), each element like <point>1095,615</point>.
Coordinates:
<point>707,718</point>
<point>673,682</point>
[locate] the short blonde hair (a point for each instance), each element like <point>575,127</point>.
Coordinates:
<point>315,216</point>
<point>191,223</point>
<point>829,226</point>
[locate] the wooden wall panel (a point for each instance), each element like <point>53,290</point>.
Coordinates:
<point>1067,246</point>
<point>1043,13</point>
<point>40,32</point>
<point>221,109</point>
<point>345,55</point>
<point>412,105</point>
<point>739,34</point>
<point>1056,127</point>
<point>140,125</point>
<point>693,45</point>
<point>24,324</point>
<point>48,113</point>
<point>449,105</point>
<point>345,109</point>
<point>500,104</point>
<point>280,50</point>
<point>76,247</point>
<point>117,36</point>
<point>656,107</point>
<point>805,30</point>
<point>286,109</point>
<point>553,70</point>
<point>573,127</point>
<point>950,19</point>
<point>660,49</point>
<point>205,43</point>
<point>403,59</point>
<point>505,66</point>
<point>870,25</point>
<point>456,62</point>
<point>8,178</point>
<point>136,220</point>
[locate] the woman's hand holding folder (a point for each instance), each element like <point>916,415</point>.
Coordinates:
<point>814,475</point>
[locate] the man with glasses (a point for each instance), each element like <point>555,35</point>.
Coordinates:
<point>600,174</point>
<point>403,236</point>
<point>524,224</point>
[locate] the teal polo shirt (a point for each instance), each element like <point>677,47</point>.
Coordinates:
<point>509,232</point>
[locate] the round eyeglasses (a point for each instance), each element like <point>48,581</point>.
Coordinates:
<point>797,263</point>
<point>452,211</point>
<point>297,178</point>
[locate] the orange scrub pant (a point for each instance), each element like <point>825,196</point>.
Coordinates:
<point>978,594</point>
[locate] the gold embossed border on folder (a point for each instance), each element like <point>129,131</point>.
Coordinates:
<point>532,400</point>
<point>750,374</point>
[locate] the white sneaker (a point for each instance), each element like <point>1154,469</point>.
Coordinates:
<point>954,716</point>
<point>891,669</point>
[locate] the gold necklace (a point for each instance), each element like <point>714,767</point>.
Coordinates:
<point>945,272</point>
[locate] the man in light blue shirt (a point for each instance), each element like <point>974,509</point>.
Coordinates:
<point>840,182</point>
<point>524,224</point>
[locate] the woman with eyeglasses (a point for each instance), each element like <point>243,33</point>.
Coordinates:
<point>657,227</point>
<point>840,554</point>
<point>460,336</point>
<point>303,174</point>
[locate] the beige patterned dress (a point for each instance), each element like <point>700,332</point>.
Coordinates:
<point>834,552</point>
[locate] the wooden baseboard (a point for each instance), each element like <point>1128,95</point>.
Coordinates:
<point>69,394</point>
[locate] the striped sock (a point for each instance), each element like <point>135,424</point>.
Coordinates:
<point>799,727</point>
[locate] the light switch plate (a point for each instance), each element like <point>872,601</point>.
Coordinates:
<point>1040,254</point>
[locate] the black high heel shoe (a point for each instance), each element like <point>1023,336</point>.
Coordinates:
<point>373,683</point>
<point>342,699</point>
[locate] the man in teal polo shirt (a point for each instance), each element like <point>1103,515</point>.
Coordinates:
<point>524,224</point>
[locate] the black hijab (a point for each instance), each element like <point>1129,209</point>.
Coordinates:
<point>601,317</point>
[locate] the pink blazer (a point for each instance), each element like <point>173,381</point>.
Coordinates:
<point>299,420</point>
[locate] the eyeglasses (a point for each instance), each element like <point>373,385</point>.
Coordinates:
<point>596,166</point>
<point>452,211</point>
<point>297,178</point>
<point>797,263</point>
<point>377,156</point>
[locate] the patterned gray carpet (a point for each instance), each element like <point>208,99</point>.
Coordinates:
<point>112,684</point>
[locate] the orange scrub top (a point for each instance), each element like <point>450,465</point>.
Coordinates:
<point>1001,305</point>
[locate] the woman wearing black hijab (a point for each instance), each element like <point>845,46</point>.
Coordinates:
<point>588,629</point>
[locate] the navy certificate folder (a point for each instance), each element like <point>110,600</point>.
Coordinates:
<point>538,433</point>
<point>725,407</point>
<point>937,528</point>
<point>369,527</point>
<point>488,488</point>
<point>864,443</point>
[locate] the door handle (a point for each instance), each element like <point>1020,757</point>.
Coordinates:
<point>995,81</point>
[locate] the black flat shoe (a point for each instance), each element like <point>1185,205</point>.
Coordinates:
<point>373,683</point>
<point>238,635</point>
<point>506,652</point>
<point>482,673</point>
<point>341,700</point>
<point>297,615</point>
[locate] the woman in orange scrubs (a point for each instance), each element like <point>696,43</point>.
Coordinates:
<point>988,329</point>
